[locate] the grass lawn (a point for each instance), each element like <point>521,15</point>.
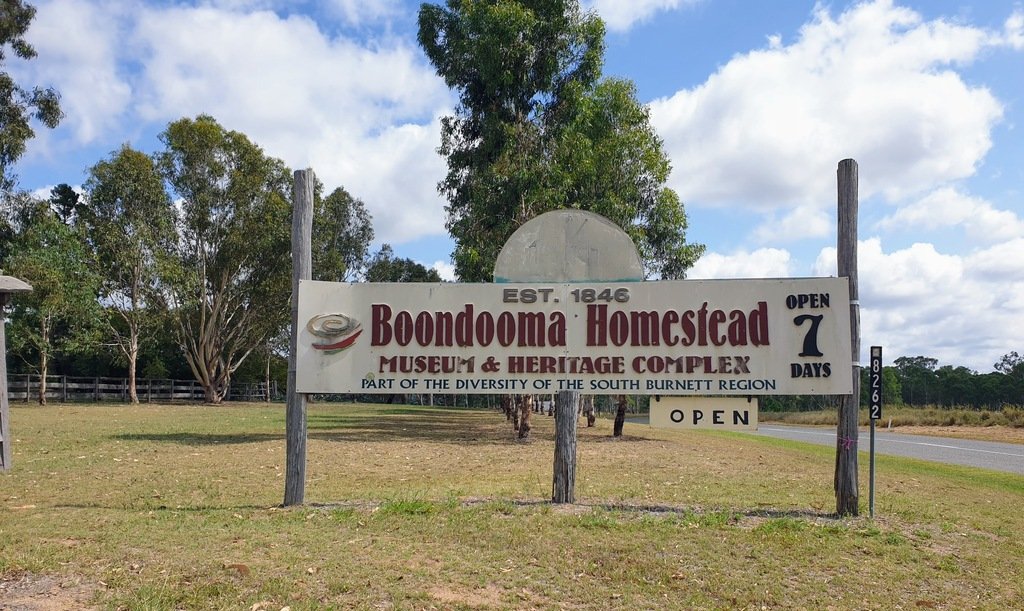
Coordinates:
<point>177,507</point>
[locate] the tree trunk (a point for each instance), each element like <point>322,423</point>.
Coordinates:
<point>588,410</point>
<point>620,415</point>
<point>44,363</point>
<point>525,417</point>
<point>44,359</point>
<point>212,394</point>
<point>133,364</point>
<point>266,376</point>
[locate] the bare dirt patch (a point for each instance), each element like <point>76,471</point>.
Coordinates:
<point>27,592</point>
<point>487,596</point>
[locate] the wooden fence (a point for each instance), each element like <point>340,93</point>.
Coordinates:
<point>25,387</point>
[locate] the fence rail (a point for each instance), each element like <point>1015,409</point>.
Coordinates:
<point>25,387</point>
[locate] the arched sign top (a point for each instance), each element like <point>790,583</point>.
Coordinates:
<point>569,246</point>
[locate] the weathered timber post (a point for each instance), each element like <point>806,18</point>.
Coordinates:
<point>5,408</point>
<point>8,286</point>
<point>849,405</point>
<point>563,484</point>
<point>302,269</point>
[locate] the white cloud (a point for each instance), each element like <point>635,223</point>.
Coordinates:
<point>620,15</point>
<point>800,223</point>
<point>351,12</point>
<point>876,84</point>
<point>1013,31</point>
<point>358,12</point>
<point>948,207</point>
<point>363,114</point>
<point>78,38</point>
<point>445,269</point>
<point>1002,263</point>
<point>261,67</point>
<point>962,310</point>
<point>761,263</point>
<point>395,173</point>
<point>364,117</point>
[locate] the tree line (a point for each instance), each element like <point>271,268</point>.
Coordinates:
<point>919,381</point>
<point>176,262</point>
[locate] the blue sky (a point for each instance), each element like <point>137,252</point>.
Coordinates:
<point>757,102</point>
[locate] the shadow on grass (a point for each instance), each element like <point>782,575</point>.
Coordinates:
<point>175,509</point>
<point>433,425</point>
<point>439,426</point>
<point>200,439</point>
<point>721,517</point>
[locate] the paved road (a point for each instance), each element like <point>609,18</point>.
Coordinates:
<point>1007,457</point>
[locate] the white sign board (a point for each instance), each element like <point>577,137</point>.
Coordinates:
<point>719,413</point>
<point>688,337</point>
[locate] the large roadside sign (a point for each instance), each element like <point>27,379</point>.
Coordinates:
<point>689,337</point>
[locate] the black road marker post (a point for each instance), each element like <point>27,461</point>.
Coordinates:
<point>875,387</point>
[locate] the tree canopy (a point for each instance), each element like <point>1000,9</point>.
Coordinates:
<point>227,278</point>
<point>20,105</point>
<point>60,314</point>
<point>384,266</point>
<point>130,222</point>
<point>537,129</point>
<point>342,232</point>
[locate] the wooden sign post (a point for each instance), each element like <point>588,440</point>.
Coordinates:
<point>302,269</point>
<point>846,434</point>
<point>8,286</point>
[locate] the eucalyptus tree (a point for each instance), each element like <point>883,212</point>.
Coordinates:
<point>917,378</point>
<point>384,266</point>
<point>130,223</point>
<point>60,314</point>
<point>537,129</point>
<point>342,232</point>
<point>227,279</point>
<point>19,106</point>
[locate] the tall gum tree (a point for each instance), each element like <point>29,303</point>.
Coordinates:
<point>226,281</point>
<point>538,129</point>
<point>130,223</point>
<point>342,232</point>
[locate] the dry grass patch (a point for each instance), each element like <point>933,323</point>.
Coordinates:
<point>167,507</point>
<point>1001,434</point>
<point>1005,425</point>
